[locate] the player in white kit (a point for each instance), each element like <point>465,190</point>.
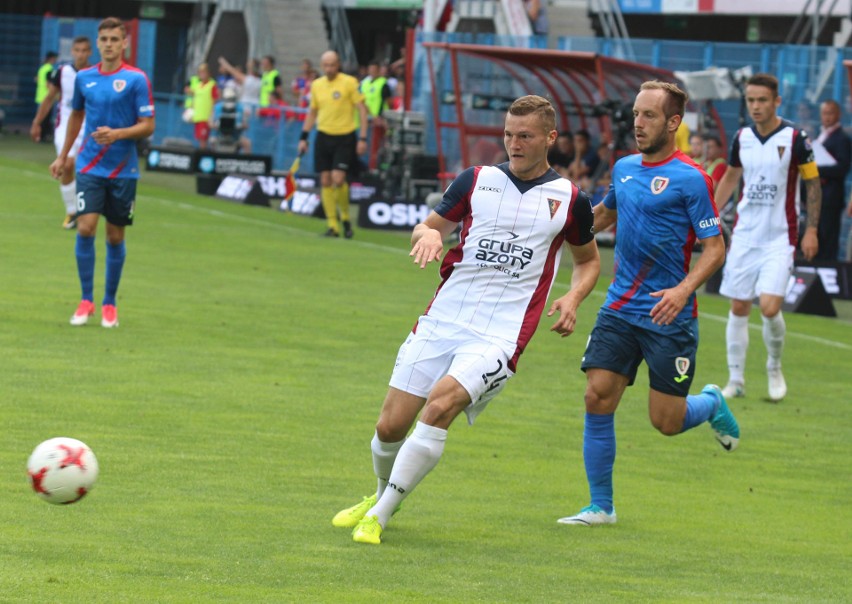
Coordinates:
<point>770,156</point>
<point>61,89</point>
<point>514,220</point>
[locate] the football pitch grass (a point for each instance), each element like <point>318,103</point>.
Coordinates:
<point>232,411</point>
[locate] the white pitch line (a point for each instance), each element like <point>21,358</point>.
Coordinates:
<point>703,315</point>
<point>801,336</point>
<point>289,229</point>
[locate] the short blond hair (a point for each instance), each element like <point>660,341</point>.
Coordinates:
<point>534,104</point>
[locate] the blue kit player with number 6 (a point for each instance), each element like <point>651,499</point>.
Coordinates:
<point>117,104</point>
<point>663,202</point>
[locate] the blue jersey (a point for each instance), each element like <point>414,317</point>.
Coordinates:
<point>116,99</point>
<point>662,208</point>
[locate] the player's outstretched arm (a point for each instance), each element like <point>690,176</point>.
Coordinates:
<point>43,109</point>
<point>673,300</point>
<point>427,239</point>
<point>587,268</point>
<point>726,185</point>
<point>75,122</point>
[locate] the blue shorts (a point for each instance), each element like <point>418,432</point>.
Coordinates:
<point>115,198</point>
<point>621,341</point>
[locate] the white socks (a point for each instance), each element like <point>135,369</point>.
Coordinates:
<point>737,339</point>
<point>418,455</point>
<point>69,197</point>
<point>384,454</point>
<point>774,330</point>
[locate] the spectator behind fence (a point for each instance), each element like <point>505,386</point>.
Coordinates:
<point>537,13</point>
<point>585,157</point>
<point>561,154</point>
<point>300,85</point>
<point>301,89</point>
<point>249,85</point>
<point>833,168</point>
<point>696,148</point>
<point>228,116</point>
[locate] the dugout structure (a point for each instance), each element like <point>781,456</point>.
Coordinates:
<point>473,86</point>
<point>848,64</point>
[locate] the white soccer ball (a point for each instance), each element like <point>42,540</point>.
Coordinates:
<point>62,470</point>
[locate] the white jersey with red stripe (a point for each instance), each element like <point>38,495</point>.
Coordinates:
<point>768,209</point>
<point>497,279</point>
<point>63,78</point>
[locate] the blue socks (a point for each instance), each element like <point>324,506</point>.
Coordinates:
<point>599,457</point>
<point>699,408</point>
<point>114,263</point>
<point>85,253</point>
<point>599,445</point>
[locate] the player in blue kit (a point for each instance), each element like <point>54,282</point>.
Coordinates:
<point>662,201</point>
<point>117,104</point>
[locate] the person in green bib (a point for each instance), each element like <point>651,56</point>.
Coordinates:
<point>375,89</point>
<point>270,81</point>
<point>204,94</point>
<point>42,90</point>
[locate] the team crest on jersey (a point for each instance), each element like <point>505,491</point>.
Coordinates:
<point>335,95</point>
<point>119,85</point>
<point>659,184</point>
<point>554,206</point>
<point>781,150</point>
<point>682,365</point>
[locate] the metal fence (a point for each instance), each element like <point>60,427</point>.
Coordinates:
<point>275,136</point>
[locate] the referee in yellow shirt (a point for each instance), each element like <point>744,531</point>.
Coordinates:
<point>334,99</point>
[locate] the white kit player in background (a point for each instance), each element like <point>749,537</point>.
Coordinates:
<point>515,218</point>
<point>770,156</point>
<point>61,89</point>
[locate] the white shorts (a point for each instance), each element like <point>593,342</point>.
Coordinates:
<point>751,271</point>
<point>59,139</point>
<point>479,364</point>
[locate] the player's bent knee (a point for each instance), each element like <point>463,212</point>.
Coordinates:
<point>441,412</point>
<point>597,404</point>
<point>667,426</point>
<point>389,431</point>
<point>741,308</point>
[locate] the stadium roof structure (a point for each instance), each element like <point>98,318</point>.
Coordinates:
<point>473,85</point>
